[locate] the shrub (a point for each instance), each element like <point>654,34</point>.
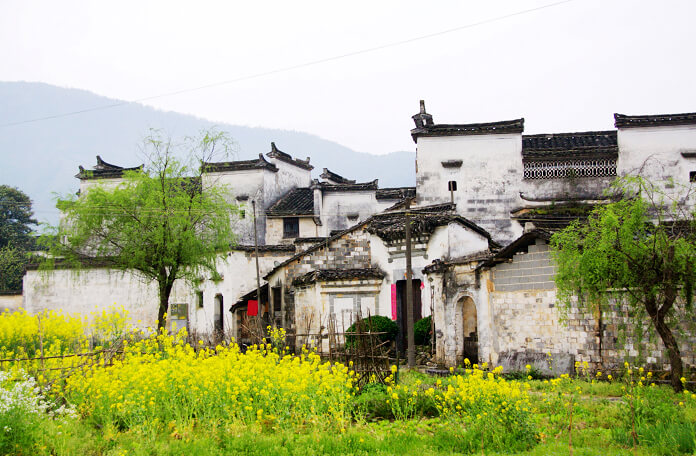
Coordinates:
<point>422,331</point>
<point>376,323</point>
<point>163,379</point>
<point>22,413</point>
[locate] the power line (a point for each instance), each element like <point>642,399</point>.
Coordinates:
<point>292,67</point>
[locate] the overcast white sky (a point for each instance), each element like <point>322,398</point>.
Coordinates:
<point>567,67</point>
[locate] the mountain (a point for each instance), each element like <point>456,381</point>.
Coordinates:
<point>41,158</point>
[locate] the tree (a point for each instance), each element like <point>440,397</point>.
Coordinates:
<point>16,218</point>
<point>163,222</point>
<point>13,262</point>
<point>638,252</point>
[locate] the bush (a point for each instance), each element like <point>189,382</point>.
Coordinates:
<point>375,323</point>
<point>422,331</point>
<point>23,413</point>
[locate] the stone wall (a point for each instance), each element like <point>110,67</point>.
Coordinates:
<point>527,270</point>
<point>351,251</point>
<point>530,326</point>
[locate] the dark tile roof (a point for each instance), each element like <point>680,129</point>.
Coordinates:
<point>298,201</point>
<point>391,226</point>
<point>310,240</point>
<point>333,275</point>
<point>265,248</point>
<point>329,175</point>
<point>287,158</point>
<point>570,145</point>
<point>104,170</point>
<point>515,246</point>
<point>358,187</point>
<point>654,120</point>
<point>439,265</point>
<point>434,208</point>
<point>553,216</point>
<point>240,165</point>
<point>488,128</point>
<point>395,193</point>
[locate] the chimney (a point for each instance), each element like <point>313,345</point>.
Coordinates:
<point>423,119</point>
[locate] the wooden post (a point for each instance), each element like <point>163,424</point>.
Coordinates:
<point>411,343</point>
<point>258,275</point>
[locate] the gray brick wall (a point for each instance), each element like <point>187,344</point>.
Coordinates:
<point>527,271</point>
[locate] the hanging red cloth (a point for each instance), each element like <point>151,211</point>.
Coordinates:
<point>252,308</point>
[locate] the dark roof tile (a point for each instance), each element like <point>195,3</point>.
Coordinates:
<point>287,158</point>
<point>240,165</point>
<point>298,201</point>
<point>338,179</point>
<point>357,187</point>
<point>396,193</point>
<point>570,145</point>
<point>654,120</point>
<point>333,275</point>
<point>488,128</point>
<point>104,170</point>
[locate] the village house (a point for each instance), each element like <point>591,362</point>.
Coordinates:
<point>486,201</point>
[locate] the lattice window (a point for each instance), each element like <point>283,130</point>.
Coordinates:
<point>564,169</point>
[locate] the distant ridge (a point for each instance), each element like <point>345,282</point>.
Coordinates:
<point>41,158</point>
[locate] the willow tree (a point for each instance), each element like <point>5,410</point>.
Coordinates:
<point>638,252</point>
<point>163,222</point>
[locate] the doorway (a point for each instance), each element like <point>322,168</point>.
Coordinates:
<point>467,328</point>
<point>219,315</point>
<point>401,312</point>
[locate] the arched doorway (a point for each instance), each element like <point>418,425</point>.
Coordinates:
<point>467,329</point>
<point>219,314</point>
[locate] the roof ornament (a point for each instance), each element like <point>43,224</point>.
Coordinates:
<point>423,119</point>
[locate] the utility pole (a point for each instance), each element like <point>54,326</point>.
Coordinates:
<point>411,343</point>
<point>258,275</point>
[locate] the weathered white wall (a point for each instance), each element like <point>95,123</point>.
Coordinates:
<point>655,153</point>
<point>246,183</point>
<point>274,230</point>
<point>97,289</point>
<point>337,206</point>
<point>11,302</point>
<point>488,181</point>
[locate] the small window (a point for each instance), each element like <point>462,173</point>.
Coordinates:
<point>242,214</point>
<point>291,227</point>
<point>452,186</point>
<point>199,296</point>
<point>692,176</point>
<point>178,316</point>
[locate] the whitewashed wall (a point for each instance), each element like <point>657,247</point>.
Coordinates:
<point>488,181</point>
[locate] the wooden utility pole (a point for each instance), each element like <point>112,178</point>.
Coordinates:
<point>411,343</point>
<point>258,275</point>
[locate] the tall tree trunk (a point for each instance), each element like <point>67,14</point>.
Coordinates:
<point>165,289</point>
<point>675,360</point>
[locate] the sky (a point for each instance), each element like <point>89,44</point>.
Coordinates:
<point>354,72</point>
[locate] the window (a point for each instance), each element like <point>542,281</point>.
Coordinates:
<point>692,176</point>
<point>452,186</point>
<point>291,227</point>
<point>199,296</point>
<point>242,214</point>
<point>178,316</point>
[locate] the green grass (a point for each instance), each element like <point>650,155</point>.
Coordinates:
<point>601,426</point>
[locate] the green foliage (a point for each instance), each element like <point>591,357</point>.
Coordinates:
<point>639,252</point>
<point>375,323</point>
<point>163,221</point>
<point>16,217</point>
<point>422,331</point>
<point>13,262</point>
